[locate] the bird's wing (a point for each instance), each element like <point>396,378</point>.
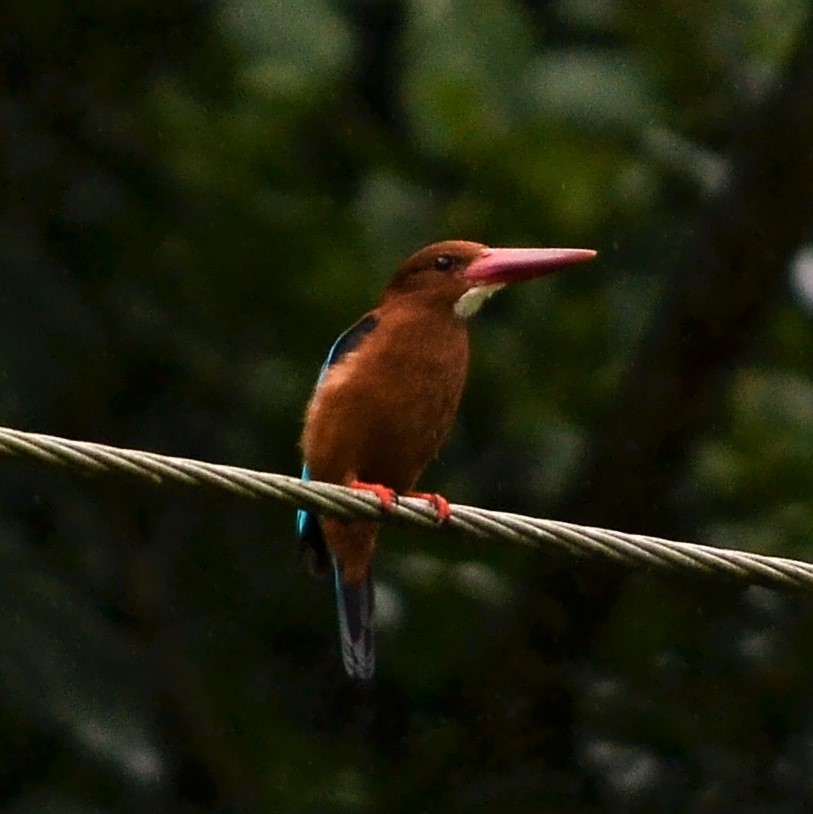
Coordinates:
<point>307,526</point>
<point>311,542</point>
<point>347,342</point>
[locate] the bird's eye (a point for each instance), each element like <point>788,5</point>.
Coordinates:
<point>443,262</point>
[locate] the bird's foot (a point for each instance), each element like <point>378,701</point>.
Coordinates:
<point>438,501</point>
<point>386,495</point>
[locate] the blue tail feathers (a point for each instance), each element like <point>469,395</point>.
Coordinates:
<point>354,602</point>
<point>355,605</point>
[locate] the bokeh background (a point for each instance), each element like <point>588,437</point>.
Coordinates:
<point>196,197</point>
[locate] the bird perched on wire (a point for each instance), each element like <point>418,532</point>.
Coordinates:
<point>385,401</point>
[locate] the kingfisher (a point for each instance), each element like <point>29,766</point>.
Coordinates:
<point>385,400</point>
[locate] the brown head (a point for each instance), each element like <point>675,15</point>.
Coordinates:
<point>461,275</point>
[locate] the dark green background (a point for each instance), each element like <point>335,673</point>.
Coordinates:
<point>196,197</point>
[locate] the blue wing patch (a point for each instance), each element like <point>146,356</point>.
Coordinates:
<point>308,532</point>
<point>311,542</point>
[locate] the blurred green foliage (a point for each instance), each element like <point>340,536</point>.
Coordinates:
<point>196,198</point>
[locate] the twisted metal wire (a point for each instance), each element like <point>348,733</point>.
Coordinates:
<point>629,550</point>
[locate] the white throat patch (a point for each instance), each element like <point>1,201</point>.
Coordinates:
<point>469,304</point>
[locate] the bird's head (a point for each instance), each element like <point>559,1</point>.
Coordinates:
<point>463,275</point>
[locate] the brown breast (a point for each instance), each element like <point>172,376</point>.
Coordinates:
<point>383,411</point>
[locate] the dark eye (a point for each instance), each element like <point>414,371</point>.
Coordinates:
<point>443,262</point>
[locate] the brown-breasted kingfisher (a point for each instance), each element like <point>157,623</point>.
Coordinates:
<point>385,400</point>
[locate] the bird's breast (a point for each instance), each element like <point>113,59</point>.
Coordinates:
<point>382,412</point>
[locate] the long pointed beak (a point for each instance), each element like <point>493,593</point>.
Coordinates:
<point>499,266</point>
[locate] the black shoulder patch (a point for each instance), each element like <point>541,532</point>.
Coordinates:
<point>351,338</point>
<point>348,341</point>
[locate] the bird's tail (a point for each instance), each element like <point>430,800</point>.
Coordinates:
<point>355,606</point>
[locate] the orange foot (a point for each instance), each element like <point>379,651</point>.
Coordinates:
<point>384,493</point>
<point>438,501</point>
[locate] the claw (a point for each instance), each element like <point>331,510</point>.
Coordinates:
<point>438,501</point>
<point>383,493</point>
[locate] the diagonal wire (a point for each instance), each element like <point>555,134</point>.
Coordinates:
<point>629,550</point>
